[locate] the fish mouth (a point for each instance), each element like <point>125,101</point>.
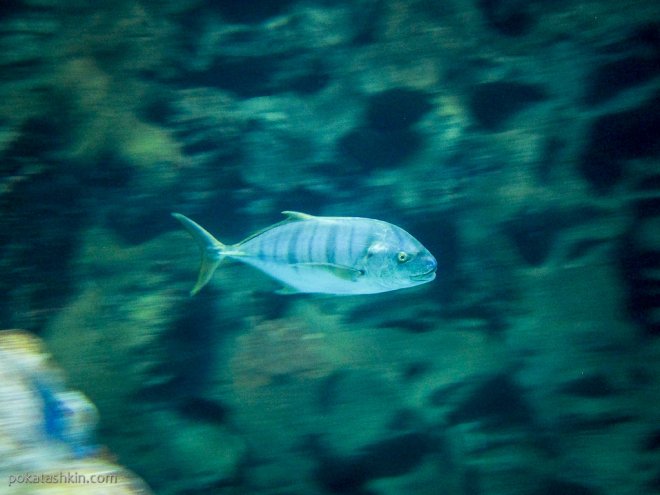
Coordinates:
<point>428,275</point>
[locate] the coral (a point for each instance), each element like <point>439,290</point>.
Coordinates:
<point>278,349</point>
<point>46,430</point>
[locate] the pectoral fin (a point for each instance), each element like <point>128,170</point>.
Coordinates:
<point>340,271</point>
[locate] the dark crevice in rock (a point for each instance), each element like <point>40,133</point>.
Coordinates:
<point>262,75</point>
<point>638,62</point>
<point>367,24</point>
<point>387,138</point>
<point>406,419</point>
<point>408,325</point>
<point>639,261</point>
<point>575,423</point>
<point>137,220</point>
<point>647,208</point>
<point>644,40</point>
<point>590,386</point>
<point>550,157</point>
<point>20,69</point>
<point>190,346</point>
<point>311,81</point>
<point>652,442</point>
<point>415,370</point>
<point>508,17</point>
<point>611,79</point>
<point>654,483</point>
<point>370,149</point>
<point>106,176</point>
<point>650,183</point>
<point>440,234</point>
<point>471,481</point>
<point>441,395</point>
<point>312,200</point>
<point>252,12</point>
<point>584,247</point>
<point>41,237</point>
<point>243,76</point>
<point>203,409</point>
<point>489,311</point>
<point>498,401</point>
<point>327,392</point>
<point>492,104</point>
<point>40,138</point>
<point>617,137</point>
<point>555,487</point>
<point>534,234</point>
<point>160,111</point>
<point>391,457</point>
<point>396,109</point>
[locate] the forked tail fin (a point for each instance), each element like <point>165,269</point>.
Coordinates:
<point>212,251</point>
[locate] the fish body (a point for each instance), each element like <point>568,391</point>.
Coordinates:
<point>328,255</point>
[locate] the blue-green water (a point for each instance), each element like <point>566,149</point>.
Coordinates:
<point>517,141</point>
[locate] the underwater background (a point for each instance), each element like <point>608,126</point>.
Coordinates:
<point>517,140</point>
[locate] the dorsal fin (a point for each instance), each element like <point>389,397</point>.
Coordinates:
<point>291,216</point>
<point>296,215</point>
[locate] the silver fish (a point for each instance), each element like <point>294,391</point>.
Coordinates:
<point>328,255</point>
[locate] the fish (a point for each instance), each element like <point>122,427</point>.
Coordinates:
<point>322,255</point>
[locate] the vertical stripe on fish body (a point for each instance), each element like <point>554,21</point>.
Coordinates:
<point>331,255</point>
<point>315,255</point>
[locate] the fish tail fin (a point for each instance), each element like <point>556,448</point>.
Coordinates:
<point>213,251</point>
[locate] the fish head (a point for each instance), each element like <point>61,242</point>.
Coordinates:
<point>398,260</point>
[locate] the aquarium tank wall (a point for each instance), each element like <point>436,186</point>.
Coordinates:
<point>461,298</point>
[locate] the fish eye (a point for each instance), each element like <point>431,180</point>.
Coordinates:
<point>402,257</point>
